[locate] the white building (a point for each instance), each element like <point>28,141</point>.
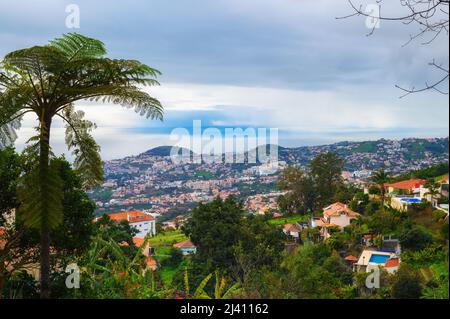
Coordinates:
<point>144,223</point>
<point>337,215</point>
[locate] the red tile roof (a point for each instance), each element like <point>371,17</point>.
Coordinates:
<point>351,258</point>
<point>320,222</point>
<point>393,262</point>
<point>138,241</point>
<point>184,244</point>
<point>408,184</point>
<point>131,216</point>
<point>338,209</point>
<point>292,228</point>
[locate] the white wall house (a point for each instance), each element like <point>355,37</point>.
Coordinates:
<point>337,215</point>
<point>144,223</point>
<point>144,227</point>
<point>292,230</point>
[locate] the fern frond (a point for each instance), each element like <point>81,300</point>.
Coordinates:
<point>86,151</point>
<point>8,133</point>
<point>75,46</point>
<point>132,97</point>
<point>34,64</point>
<point>12,108</point>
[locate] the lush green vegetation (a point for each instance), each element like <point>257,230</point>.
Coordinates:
<point>433,172</point>
<point>288,220</point>
<point>366,147</point>
<point>103,194</point>
<point>244,253</point>
<point>307,193</point>
<point>167,238</point>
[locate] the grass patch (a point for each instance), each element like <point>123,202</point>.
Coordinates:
<point>167,273</point>
<point>162,253</point>
<point>167,238</point>
<point>288,220</point>
<point>366,147</point>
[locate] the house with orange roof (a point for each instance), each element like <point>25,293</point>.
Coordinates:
<point>143,222</point>
<point>404,194</point>
<point>292,230</point>
<point>337,215</point>
<point>405,187</point>
<point>186,247</point>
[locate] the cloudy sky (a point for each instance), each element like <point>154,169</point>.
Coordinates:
<point>286,64</point>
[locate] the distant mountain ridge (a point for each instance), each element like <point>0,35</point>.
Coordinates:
<point>408,153</point>
<point>415,145</point>
<point>165,151</point>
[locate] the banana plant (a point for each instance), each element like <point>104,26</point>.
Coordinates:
<point>219,288</point>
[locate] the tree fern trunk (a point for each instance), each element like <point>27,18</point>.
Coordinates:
<point>45,230</point>
<point>45,263</point>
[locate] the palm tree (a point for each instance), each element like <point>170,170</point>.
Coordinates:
<point>47,80</point>
<point>380,178</point>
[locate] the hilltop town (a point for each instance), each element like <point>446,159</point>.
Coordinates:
<point>152,182</point>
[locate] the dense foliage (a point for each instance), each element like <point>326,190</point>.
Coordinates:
<point>239,255</point>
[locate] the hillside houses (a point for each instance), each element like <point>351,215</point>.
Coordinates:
<point>404,194</point>
<point>337,216</point>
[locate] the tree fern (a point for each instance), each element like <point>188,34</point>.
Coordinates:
<point>47,80</point>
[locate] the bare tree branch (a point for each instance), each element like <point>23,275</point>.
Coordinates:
<point>432,19</point>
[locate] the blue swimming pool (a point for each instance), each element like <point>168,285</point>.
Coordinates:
<point>378,258</point>
<point>411,200</point>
